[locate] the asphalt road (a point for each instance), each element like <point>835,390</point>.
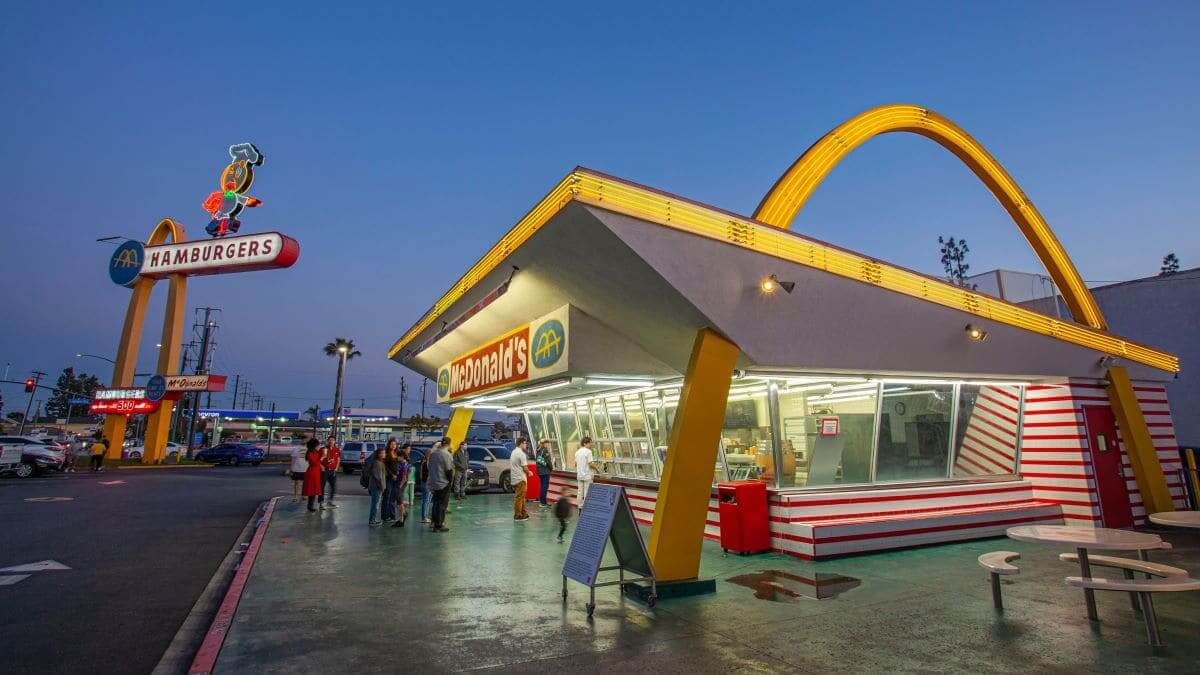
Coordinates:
<point>140,552</point>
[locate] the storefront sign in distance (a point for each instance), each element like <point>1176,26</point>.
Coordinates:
<point>127,401</point>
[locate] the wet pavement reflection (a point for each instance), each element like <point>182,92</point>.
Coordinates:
<point>778,586</point>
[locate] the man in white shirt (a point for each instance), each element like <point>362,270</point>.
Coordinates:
<point>299,466</point>
<point>583,469</point>
<point>518,478</point>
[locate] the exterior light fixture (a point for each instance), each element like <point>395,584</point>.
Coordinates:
<point>975,333</point>
<point>1108,361</point>
<point>342,349</point>
<point>771,283</point>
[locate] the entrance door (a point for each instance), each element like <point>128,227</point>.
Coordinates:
<point>1106,466</point>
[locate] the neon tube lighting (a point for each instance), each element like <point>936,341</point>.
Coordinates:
<point>603,382</point>
<point>545,387</point>
<point>843,399</point>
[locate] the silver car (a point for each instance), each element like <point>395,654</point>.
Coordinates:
<point>37,455</point>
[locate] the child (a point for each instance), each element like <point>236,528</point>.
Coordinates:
<point>562,511</point>
<point>404,486</point>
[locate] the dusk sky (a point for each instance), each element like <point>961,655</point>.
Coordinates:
<point>402,141</point>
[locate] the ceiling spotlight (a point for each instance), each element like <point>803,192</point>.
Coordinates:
<point>771,283</point>
<point>975,333</point>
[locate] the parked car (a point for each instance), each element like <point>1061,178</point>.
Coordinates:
<point>232,454</point>
<point>495,458</point>
<point>37,455</point>
<point>174,451</point>
<point>355,454</point>
<point>479,479</point>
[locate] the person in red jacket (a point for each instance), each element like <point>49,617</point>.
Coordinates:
<point>313,474</point>
<point>331,461</point>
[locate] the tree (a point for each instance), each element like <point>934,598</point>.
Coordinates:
<point>344,350</point>
<point>420,423</point>
<point>954,260</point>
<point>314,415</point>
<point>1170,265</point>
<point>16,416</point>
<point>69,386</point>
<point>499,428</point>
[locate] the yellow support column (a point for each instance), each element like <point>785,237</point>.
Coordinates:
<point>683,493</point>
<point>158,426</point>
<point>127,349</point>
<point>460,423</point>
<point>1146,469</point>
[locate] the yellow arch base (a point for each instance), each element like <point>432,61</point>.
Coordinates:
<point>682,507</point>
<point>159,423</point>
<point>460,424</point>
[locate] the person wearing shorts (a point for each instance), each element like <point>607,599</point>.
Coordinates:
<point>299,466</point>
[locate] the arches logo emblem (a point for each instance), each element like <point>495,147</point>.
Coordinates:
<point>443,382</point>
<point>126,263</point>
<point>549,343</point>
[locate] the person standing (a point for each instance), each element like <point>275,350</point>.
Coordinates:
<point>312,474</point>
<point>462,470</point>
<point>404,485</point>
<point>331,461</point>
<point>516,476</point>
<point>562,511</point>
<point>544,465</point>
<point>583,469</point>
<point>99,448</point>
<point>441,470</point>
<point>299,466</point>
<point>423,479</point>
<point>376,486</point>
<point>391,465</point>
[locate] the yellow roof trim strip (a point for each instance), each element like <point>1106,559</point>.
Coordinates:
<point>639,202</point>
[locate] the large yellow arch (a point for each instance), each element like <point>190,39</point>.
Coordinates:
<point>158,424</point>
<point>789,194</point>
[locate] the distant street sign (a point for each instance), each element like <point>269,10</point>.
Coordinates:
<point>79,401</point>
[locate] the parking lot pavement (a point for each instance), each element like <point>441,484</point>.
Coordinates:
<point>140,547</point>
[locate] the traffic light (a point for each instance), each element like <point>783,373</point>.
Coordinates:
<point>29,385</point>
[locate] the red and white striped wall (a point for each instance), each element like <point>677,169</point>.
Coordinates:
<point>989,445</point>
<point>1056,457</point>
<point>812,525</point>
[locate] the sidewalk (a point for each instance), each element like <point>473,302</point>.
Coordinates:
<point>328,594</point>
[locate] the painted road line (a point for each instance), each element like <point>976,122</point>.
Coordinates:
<point>49,499</point>
<point>111,482</point>
<point>42,566</point>
<point>10,580</point>
<point>206,657</point>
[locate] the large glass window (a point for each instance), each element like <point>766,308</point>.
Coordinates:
<point>828,429</point>
<point>914,431</point>
<point>986,435</point>
<point>570,436</point>
<point>746,433</point>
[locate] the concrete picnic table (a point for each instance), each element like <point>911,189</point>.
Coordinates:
<point>1083,538</point>
<point>1177,518</point>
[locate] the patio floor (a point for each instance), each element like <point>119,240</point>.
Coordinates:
<point>328,594</point>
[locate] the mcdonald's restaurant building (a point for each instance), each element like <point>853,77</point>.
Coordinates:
<point>881,407</point>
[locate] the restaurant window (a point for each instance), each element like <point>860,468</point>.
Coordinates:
<point>913,442</point>
<point>828,430</point>
<point>746,433</point>
<point>986,435</point>
<point>569,430</point>
<point>616,417</point>
<point>537,429</point>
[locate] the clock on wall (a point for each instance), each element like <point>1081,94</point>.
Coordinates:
<point>900,408</point>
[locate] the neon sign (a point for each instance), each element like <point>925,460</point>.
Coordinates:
<point>127,401</point>
<point>230,198</point>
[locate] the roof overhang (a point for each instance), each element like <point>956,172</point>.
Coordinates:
<point>629,274</point>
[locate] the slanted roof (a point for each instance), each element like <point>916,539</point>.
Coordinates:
<point>673,216</point>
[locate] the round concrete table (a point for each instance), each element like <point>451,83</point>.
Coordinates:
<point>1083,538</point>
<point>1177,518</point>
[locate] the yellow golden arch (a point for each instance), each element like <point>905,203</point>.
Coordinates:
<point>158,425</point>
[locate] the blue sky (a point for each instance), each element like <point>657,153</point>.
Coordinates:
<point>402,139</point>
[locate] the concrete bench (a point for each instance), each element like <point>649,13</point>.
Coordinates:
<point>997,563</point>
<point>1142,588</point>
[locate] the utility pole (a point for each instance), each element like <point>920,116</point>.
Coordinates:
<point>271,429</point>
<point>403,391</point>
<point>423,383</point>
<point>201,369</point>
<point>37,378</point>
<point>237,379</point>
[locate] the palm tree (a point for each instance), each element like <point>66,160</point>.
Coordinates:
<point>314,415</point>
<point>344,350</point>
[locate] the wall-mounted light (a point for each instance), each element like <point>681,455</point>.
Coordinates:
<point>1108,361</point>
<point>975,333</point>
<point>771,283</point>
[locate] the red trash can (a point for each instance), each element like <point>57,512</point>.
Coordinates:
<point>745,527</point>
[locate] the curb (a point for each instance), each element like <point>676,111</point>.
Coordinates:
<point>210,648</point>
<point>134,467</point>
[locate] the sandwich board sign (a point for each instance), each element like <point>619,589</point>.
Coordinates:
<point>606,516</point>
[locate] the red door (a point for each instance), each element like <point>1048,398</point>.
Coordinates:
<point>1106,466</point>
